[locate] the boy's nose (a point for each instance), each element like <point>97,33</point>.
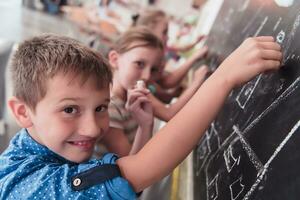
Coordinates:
<point>90,127</point>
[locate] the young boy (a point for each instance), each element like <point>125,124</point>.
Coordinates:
<point>61,96</point>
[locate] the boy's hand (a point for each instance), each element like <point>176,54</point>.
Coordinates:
<point>253,56</point>
<point>140,106</point>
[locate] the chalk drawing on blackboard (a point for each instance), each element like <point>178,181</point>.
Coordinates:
<point>211,137</point>
<point>230,14</point>
<point>244,6</point>
<point>282,144</point>
<point>246,92</point>
<point>236,188</point>
<point>261,26</point>
<point>277,24</point>
<point>213,189</point>
<point>203,151</point>
<point>292,88</point>
<point>280,37</point>
<point>230,160</point>
<point>266,166</point>
<point>261,168</point>
<point>253,157</point>
<point>213,133</point>
<point>255,107</point>
<point>290,39</point>
<point>253,20</point>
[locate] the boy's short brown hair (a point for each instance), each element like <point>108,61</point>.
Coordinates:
<point>41,58</point>
<point>137,37</point>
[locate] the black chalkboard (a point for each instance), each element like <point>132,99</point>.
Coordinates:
<point>252,149</point>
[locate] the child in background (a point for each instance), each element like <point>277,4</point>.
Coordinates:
<point>137,55</point>
<point>61,98</point>
<point>157,22</point>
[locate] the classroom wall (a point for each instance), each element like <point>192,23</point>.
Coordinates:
<point>177,8</point>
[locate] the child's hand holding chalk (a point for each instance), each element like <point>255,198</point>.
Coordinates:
<point>140,84</point>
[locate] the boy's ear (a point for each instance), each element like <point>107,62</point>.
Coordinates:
<point>20,111</point>
<point>113,59</point>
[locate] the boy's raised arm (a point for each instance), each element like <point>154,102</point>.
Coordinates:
<point>174,142</point>
<point>166,113</point>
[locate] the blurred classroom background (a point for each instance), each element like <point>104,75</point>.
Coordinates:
<point>97,24</point>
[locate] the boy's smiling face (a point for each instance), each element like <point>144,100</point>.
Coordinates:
<point>71,117</point>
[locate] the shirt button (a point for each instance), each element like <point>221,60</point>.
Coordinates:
<point>77,182</point>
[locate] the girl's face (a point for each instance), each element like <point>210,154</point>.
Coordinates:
<point>140,63</point>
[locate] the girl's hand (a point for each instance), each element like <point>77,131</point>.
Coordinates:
<point>140,106</point>
<point>201,37</point>
<point>200,74</point>
<point>253,56</point>
<point>199,53</point>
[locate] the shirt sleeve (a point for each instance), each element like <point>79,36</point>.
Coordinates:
<point>119,187</point>
<point>37,180</point>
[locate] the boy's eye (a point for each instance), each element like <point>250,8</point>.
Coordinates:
<point>70,110</point>
<point>102,108</point>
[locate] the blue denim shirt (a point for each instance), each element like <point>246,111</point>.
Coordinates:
<point>29,170</point>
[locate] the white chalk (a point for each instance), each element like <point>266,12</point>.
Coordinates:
<point>140,84</point>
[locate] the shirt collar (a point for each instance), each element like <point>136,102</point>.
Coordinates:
<point>25,143</point>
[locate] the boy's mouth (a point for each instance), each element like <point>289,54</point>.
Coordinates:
<point>84,144</point>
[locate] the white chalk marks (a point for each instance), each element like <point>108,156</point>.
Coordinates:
<point>213,189</point>
<point>238,164</point>
<point>280,37</point>
<point>204,149</point>
<point>235,152</point>
<point>244,6</point>
<point>203,152</point>
<point>213,134</point>
<point>230,160</point>
<point>246,92</point>
<point>253,157</point>
<point>290,39</point>
<point>236,188</point>
<point>277,23</point>
<point>263,23</point>
<point>266,166</point>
